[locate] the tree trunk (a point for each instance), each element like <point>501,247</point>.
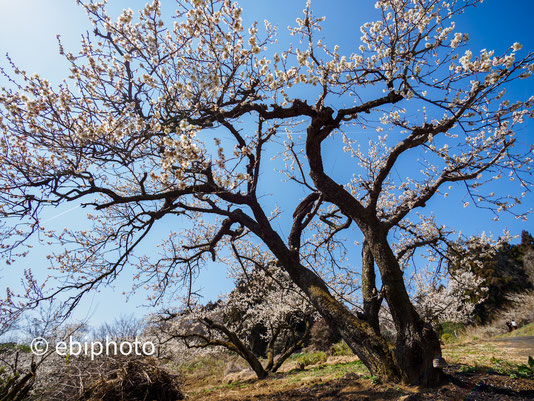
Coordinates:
<point>255,364</point>
<point>371,298</point>
<point>236,345</point>
<point>411,359</point>
<point>291,349</point>
<point>251,359</point>
<point>417,345</point>
<point>374,351</point>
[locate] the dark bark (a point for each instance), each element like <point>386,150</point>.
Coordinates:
<point>371,298</point>
<point>270,349</point>
<point>236,345</point>
<point>410,360</point>
<point>373,350</point>
<point>416,344</point>
<point>255,364</point>
<point>291,349</point>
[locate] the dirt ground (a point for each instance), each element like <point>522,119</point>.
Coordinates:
<point>478,370</point>
<point>321,383</point>
<point>461,386</point>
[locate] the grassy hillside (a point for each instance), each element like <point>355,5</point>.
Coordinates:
<point>476,368</point>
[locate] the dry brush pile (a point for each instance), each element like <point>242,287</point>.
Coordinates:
<point>82,379</point>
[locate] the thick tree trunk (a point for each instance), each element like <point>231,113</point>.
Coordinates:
<point>411,358</point>
<point>417,345</point>
<point>374,351</point>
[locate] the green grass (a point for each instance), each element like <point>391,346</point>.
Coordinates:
<point>205,366</point>
<point>469,369</point>
<point>513,370</point>
<point>310,358</point>
<point>333,371</point>
<point>451,332</point>
<point>232,386</point>
<point>503,367</point>
<point>454,329</point>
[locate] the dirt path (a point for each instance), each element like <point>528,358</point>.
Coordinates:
<point>522,347</point>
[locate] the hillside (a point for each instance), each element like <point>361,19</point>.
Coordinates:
<point>478,370</point>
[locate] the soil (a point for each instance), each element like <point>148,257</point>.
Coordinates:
<point>471,376</point>
<point>468,386</point>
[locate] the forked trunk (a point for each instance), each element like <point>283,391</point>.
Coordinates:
<point>409,360</point>
<point>416,345</point>
<point>237,346</point>
<point>374,351</point>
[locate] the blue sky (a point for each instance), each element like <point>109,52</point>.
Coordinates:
<point>28,30</point>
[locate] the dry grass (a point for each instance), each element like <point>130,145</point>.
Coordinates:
<point>476,353</point>
<point>481,345</point>
<point>345,378</point>
<point>288,379</point>
<point>520,307</point>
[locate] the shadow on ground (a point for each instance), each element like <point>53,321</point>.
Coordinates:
<point>474,385</point>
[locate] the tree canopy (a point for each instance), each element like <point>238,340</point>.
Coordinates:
<point>161,120</point>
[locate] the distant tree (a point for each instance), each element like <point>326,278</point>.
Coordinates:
<point>450,296</point>
<point>528,257</point>
<point>156,122</point>
<point>526,239</point>
<point>267,299</point>
<point>476,277</point>
<point>126,326</point>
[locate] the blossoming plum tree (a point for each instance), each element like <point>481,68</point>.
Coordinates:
<point>156,122</point>
<point>451,293</point>
<point>447,297</point>
<point>265,305</point>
